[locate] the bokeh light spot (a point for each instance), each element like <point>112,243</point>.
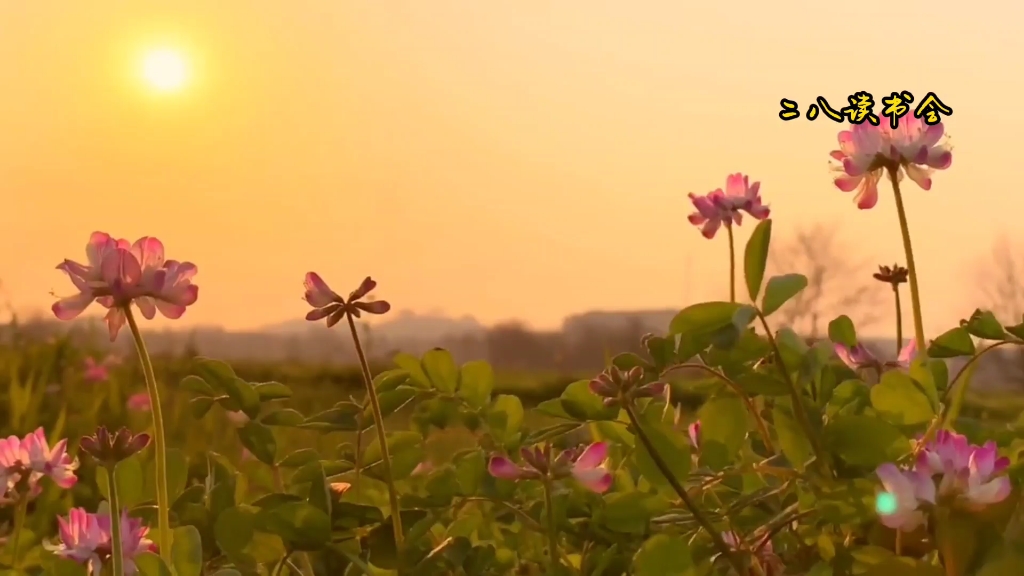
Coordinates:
<point>885,504</point>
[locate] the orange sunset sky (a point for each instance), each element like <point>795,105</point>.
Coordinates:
<point>502,158</point>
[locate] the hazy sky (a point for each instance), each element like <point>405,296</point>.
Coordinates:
<point>501,158</point>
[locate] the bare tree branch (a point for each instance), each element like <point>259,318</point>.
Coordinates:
<point>836,284</point>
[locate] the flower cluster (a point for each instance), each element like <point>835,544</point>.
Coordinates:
<point>25,461</point>
<point>614,383</point>
<point>583,464</point>
<point>859,357</point>
<point>949,470</point>
<point>118,274</point>
<point>866,151</point>
<point>86,538</point>
<point>329,304</point>
<point>725,207</point>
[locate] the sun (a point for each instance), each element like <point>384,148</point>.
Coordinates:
<point>165,70</point>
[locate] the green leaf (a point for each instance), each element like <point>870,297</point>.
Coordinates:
<point>187,551</point>
<point>704,318</point>
<point>865,440</point>
<point>900,400</point>
<point>581,404</point>
<point>723,426</point>
<point>197,385</point>
<point>199,406</point>
<point>631,512</point>
<point>319,491</point>
<point>755,257</point>
<point>130,478</point>
<point>300,524</point>
<point>259,440</point>
<point>299,458</point>
<point>390,402</point>
<point>268,391</point>
<point>673,447</point>
<point>781,289</point>
<point>505,417</point>
<point>761,384</point>
<point>477,381</point>
<point>793,440</point>
<point>214,372</point>
<point>389,380</point>
<point>284,417</point>
<point>951,344</point>
<point>440,368</point>
<point>67,567</point>
<point>233,530</point>
<point>956,537</point>
<point>984,324</point>
<point>344,416</point>
<point>841,331</point>
<point>663,555</point>
<point>149,564</point>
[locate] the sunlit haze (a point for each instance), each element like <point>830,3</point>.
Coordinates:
<point>501,159</point>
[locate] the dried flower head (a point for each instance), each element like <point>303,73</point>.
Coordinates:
<point>329,304</point>
<point>894,275</point>
<point>109,449</point>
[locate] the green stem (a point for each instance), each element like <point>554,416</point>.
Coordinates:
<point>915,293</point>
<point>117,552</point>
<point>732,264</point>
<point>378,417</point>
<point>163,503</point>
<point>799,410</point>
<point>552,528</point>
<point>279,568</point>
<point>19,524</point>
<point>307,567</point>
<point>691,506</point>
<point>899,320</point>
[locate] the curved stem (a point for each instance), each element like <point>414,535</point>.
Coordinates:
<point>691,506</point>
<point>915,293</point>
<point>798,405</point>
<point>117,551</point>
<point>163,503</point>
<point>732,264</point>
<point>762,427</point>
<point>371,395</point>
<point>19,524</point>
<point>899,320</point>
<point>279,568</point>
<point>552,528</point>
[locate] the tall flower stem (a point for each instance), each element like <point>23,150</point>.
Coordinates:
<point>117,552</point>
<point>732,264</point>
<point>163,503</point>
<point>915,292</point>
<point>691,506</point>
<point>899,320</point>
<point>378,417</point>
<point>552,527</point>
<point>20,513</point>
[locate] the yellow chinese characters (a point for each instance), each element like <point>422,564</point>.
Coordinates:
<point>861,109</point>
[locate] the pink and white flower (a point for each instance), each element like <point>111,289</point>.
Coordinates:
<point>720,207</point>
<point>25,461</point>
<point>329,304</point>
<point>586,466</point>
<point>910,489</point>
<point>139,402</point>
<point>969,474</point>
<point>118,274</point>
<point>86,538</point>
<point>921,149</point>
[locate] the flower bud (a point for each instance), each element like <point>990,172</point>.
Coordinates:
<point>652,390</point>
<point>109,449</point>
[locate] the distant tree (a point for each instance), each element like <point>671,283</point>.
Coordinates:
<point>837,283</point>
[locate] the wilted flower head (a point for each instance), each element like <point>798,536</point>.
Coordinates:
<point>859,357</point>
<point>969,474</point>
<point>109,449</point>
<point>328,304</point>
<point>894,275</point>
<point>614,382</point>
<point>86,538</point>
<point>139,402</point>
<point>724,207</point>
<point>585,465</point>
<point>694,431</point>
<point>118,274</point>
<point>24,461</point>
<point>909,489</point>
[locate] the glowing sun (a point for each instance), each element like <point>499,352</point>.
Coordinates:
<point>165,70</point>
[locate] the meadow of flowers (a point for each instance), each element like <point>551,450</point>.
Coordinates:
<point>806,459</point>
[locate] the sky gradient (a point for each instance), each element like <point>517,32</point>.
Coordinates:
<point>504,159</point>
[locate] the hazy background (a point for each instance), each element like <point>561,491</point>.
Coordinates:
<point>505,160</point>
